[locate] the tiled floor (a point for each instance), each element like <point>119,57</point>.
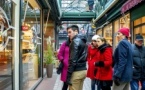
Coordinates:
<point>47,83</point>
<point>58,84</point>
<point>54,83</point>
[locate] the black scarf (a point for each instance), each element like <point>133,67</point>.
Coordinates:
<point>103,47</point>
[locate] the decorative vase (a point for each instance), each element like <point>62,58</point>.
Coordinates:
<point>49,70</point>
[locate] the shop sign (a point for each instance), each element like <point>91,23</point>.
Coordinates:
<point>25,28</point>
<point>53,41</point>
<point>129,4</point>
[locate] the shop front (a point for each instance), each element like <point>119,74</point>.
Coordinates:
<point>99,32</point>
<point>123,21</point>
<point>112,21</point>
<point>31,45</point>
<point>138,19</point>
<point>21,43</point>
<point>9,44</point>
<point>137,16</point>
<point>107,33</point>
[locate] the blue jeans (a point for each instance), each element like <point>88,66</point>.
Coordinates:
<point>93,84</point>
<point>135,84</point>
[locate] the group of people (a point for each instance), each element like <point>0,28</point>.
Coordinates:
<point>122,69</point>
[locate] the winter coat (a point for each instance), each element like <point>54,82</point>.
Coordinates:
<point>63,55</point>
<point>91,58</point>
<point>138,62</point>
<point>105,72</point>
<point>123,59</point>
<point>78,55</point>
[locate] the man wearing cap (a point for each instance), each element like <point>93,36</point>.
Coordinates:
<point>138,63</point>
<point>123,60</point>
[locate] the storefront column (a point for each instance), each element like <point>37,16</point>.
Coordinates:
<point>56,37</point>
<point>16,23</point>
<point>42,38</point>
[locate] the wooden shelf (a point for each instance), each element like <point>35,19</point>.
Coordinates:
<point>27,40</point>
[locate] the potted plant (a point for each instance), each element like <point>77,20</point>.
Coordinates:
<point>49,60</point>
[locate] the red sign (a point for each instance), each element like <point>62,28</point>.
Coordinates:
<point>53,41</point>
<point>129,4</point>
<point>25,28</point>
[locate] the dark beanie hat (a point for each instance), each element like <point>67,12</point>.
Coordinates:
<point>124,31</point>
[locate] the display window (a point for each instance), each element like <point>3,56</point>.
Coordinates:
<point>116,28</point>
<point>6,45</point>
<point>125,21</point>
<point>143,19</point>
<point>108,33</point>
<point>31,44</point>
<point>121,22</point>
<point>139,26</point>
<point>99,32</point>
<point>137,22</point>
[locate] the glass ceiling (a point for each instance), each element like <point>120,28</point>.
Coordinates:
<point>86,9</point>
<point>75,5</point>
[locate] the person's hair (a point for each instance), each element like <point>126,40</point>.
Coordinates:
<point>73,27</point>
<point>68,41</point>
<point>103,40</point>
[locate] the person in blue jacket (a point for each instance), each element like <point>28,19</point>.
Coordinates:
<point>138,63</point>
<point>123,59</point>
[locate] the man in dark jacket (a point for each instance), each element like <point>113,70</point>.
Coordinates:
<point>138,63</point>
<point>77,61</point>
<point>123,60</point>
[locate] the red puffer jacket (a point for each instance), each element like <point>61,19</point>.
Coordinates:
<point>92,52</point>
<point>105,72</point>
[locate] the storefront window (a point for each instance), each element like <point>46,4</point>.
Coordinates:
<point>108,33</point>
<point>143,19</point>
<point>139,26</point>
<point>31,45</point>
<point>124,21</point>
<point>99,32</point>
<point>137,30</point>
<point>143,30</point>
<point>116,28</point>
<point>137,22</point>
<point>6,45</point>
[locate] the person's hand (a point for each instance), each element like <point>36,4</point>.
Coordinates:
<point>99,63</point>
<point>116,81</point>
<point>68,82</point>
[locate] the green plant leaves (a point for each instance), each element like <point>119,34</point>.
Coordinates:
<point>49,55</point>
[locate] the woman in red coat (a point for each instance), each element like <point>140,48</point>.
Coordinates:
<point>92,57</point>
<point>104,64</point>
